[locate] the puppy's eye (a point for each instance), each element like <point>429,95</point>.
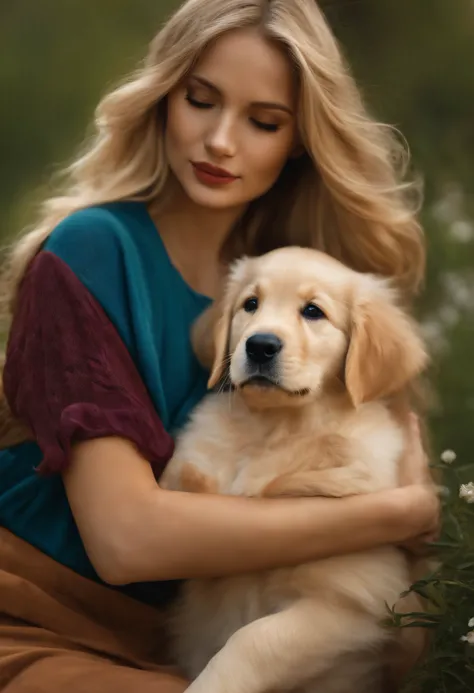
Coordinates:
<point>312,312</point>
<point>251,304</point>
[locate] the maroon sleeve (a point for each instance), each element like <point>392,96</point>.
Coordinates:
<point>68,374</point>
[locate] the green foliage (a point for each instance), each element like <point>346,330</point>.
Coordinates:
<point>413,60</point>
<point>448,596</point>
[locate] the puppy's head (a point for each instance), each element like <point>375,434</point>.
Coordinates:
<point>294,321</point>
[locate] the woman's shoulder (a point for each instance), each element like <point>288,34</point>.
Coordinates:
<point>104,245</point>
<point>98,251</point>
<point>96,230</point>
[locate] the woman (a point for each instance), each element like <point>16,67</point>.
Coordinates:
<point>243,131</point>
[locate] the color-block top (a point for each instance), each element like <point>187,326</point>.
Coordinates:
<point>99,346</point>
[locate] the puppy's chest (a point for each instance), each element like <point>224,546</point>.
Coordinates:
<point>284,453</point>
<point>240,453</point>
<point>250,452</point>
<point>255,463</point>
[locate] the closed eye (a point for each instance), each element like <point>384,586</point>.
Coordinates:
<point>203,105</point>
<point>268,127</point>
<point>196,103</point>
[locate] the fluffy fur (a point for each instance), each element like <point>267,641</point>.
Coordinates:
<point>327,417</point>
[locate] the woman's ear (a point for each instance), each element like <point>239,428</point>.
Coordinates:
<point>386,350</point>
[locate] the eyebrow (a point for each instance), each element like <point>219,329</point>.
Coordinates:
<point>260,104</point>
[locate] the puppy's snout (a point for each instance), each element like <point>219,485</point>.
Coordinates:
<point>262,347</point>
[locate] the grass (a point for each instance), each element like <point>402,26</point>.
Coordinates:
<point>449,595</point>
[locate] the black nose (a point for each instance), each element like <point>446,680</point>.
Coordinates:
<point>261,347</point>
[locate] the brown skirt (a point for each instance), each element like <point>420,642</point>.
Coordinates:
<point>62,632</point>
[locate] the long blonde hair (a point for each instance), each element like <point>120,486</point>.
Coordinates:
<point>345,195</point>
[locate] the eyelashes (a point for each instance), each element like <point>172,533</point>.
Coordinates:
<point>268,127</point>
<point>197,104</point>
<point>206,105</point>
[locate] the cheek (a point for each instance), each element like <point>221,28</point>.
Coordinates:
<point>239,330</point>
<point>328,349</point>
<point>267,158</point>
<point>238,364</point>
<point>181,127</point>
<point>238,337</point>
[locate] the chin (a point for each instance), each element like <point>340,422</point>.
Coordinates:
<point>211,198</point>
<point>257,397</point>
<point>266,396</point>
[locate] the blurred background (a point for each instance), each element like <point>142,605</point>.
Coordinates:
<point>415,63</point>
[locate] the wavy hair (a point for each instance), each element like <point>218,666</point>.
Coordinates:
<point>346,194</point>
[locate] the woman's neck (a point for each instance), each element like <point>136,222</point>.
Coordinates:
<point>193,237</point>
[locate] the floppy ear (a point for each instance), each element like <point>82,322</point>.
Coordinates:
<point>221,343</point>
<point>237,274</point>
<point>386,350</point>
<point>211,332</point>
<point>202,335</point>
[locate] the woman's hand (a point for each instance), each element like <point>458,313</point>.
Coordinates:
<point>424,505</point>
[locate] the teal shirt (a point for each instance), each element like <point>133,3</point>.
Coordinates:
<point>116,251</point>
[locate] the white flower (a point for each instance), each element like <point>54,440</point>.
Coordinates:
<point>466,491</point>
<point>469,637</point>
<point>471,623</point>
<point>443,491</point>
<point>448,456</point>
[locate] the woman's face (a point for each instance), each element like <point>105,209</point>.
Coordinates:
<point>231,124</point>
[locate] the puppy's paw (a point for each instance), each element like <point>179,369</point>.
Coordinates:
<point>337,483</point>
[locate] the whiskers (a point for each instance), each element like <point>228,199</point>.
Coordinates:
<point>225,382</point>
<point>225,385</point>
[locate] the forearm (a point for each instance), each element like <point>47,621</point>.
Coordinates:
<point>206,536</point>
<point>135,531</point>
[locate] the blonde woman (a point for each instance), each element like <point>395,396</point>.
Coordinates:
<point>242,131</point>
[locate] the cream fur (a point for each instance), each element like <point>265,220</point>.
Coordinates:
<point>315,627</point>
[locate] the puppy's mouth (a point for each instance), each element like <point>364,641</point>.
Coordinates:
<point>267,383</point>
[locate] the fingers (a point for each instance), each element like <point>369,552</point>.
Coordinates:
<point>420,546</point>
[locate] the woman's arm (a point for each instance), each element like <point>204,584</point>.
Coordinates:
<point>71,379</point>
<point>134,531</point>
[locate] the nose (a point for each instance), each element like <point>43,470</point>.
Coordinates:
<point>263,347</point>
<point>221,140</point>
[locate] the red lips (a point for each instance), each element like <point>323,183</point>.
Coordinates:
<point>212,175</point>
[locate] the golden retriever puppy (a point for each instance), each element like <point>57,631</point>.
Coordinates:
<point>315,357</point>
